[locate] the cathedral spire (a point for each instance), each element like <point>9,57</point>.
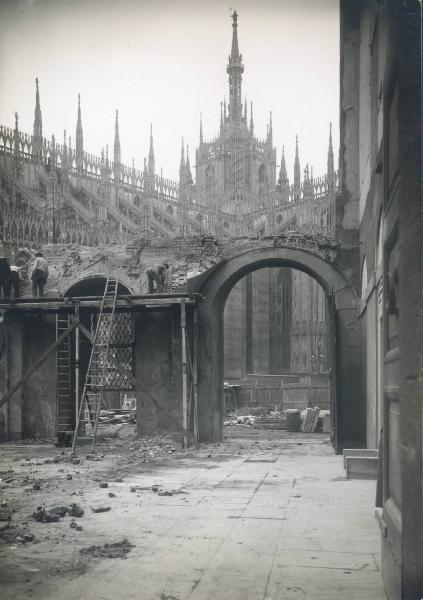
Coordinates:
<point>270,129</point>
<point>283,175</point>
<point>79,142</point>
<point>151,162</point>
<point>116,147</point>
<point>221,115</point>
<point>235,69</point>
<point>38,123</point>
<point>245,109</point>
<point>201,128</point>
<point>251,119</point>
<point>331,170</point>
<point>188,174</point>
<point>297,171</point>
<point>182,165</point>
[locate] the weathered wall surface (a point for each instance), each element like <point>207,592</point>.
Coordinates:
<point>158,369</point>
<point>39,393</point>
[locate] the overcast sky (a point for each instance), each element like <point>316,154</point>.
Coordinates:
<point>164,61</point>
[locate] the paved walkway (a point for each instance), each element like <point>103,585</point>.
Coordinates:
<point>281,523</point>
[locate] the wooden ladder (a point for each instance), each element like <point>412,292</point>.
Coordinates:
<point>96,378</point>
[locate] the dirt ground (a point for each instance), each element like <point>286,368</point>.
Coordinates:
<point>38,477</point>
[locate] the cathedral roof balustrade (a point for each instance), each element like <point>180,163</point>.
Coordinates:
<point>92,165</point>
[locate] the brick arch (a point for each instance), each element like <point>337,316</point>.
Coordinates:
<point>93,286</point>
<point>215,286</point>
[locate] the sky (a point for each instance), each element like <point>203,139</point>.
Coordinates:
<point>164,62</point>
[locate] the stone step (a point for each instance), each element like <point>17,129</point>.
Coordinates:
<point>358,452</point>
<point>362,467</point>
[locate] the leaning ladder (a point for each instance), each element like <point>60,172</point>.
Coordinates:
<point>63,379</point>
<point>96,379</point>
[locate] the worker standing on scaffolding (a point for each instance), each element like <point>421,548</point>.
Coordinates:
<point>39,275</point>
<point>15,279</point>
<point>4,275</point>
<point>157,275</point>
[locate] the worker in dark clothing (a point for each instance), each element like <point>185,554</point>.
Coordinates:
<point>15,280</point>
<point>4,277</point>
<point>39,275</point>
<point>157,275</point>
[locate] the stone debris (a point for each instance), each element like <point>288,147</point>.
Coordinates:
<point>154,448</point>
<point>241,420</point>
<point>5,514</point>
<point>62,511</point>
<point>13,535</point>
<point>56,512</point>
<point>43,516</point>
<point>95,457</point>
<point>100,509</point>
<point>75,510</point>
<point>114,550</point>
<point>103,484</point>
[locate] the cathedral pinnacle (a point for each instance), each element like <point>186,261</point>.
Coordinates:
<point>331,169</point>
<point>235,49</point>
<point>283,175</point>
<point>201,128</point>
<point>151,161</point>
<point>79,142</point>
<point>38,122</point>
<point>182,165</point>
<point>116,147</point>
<point>235,69</point>
<point>297,171</point>
<point>251,119</point>
<point>188,169</point>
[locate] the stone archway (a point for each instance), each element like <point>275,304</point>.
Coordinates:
<point>93,286</point>
<point>215,286</point>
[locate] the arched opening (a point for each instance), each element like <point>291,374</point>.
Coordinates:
<point>92,286</point>
<point>277,353</point>
<point>346,403</point>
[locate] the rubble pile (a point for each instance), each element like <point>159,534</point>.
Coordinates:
<point>114,550</point>
<point>152,448</point>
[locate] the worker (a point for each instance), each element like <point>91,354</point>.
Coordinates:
<point>4,275</point>
<point>23,253</point>
<point>39,275</point>
<point>158,275</point>
<point>15,280</point>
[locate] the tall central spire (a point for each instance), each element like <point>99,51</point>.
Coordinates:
<point>235,70</point>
